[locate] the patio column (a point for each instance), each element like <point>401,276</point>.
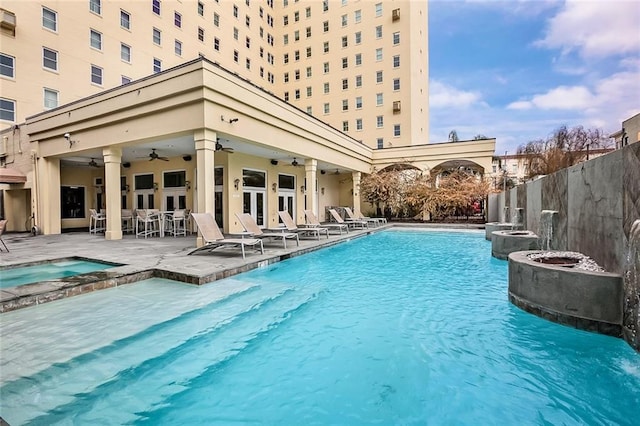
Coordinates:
<point>49,207</point>
<point>205,141</point>
<point>356,189</point>
<point>310,168</point>
<point>112,162</point>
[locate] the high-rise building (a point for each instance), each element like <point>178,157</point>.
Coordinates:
<point>360,66</point>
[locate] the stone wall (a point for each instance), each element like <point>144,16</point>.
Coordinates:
<point>597,203</point>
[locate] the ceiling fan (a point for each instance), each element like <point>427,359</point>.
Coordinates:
<point>295,163</point>
<point>219,147</point>
<point>93,163</point>
<point>153,155</point>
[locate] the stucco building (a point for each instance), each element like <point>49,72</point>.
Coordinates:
<point>286,106</point>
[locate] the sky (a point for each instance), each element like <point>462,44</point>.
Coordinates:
<point>517,70</point>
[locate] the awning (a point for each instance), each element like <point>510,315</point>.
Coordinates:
<point>11,176</point>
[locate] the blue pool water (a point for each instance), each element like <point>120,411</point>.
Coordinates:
<point>395,328</point>
<point>48,271</point>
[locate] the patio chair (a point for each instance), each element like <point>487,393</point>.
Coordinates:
<point>127,220</point>
<point>177,223</point>
<point>352,217</point>
<point>147,223</point>
<point>3,226</point>
<point>313,222</point>
<point>214,239</point>
<point>382,220</point>
<point>97,221</point>
<point>291,226</point>
<point>353,223</point>
<point>251,227</point>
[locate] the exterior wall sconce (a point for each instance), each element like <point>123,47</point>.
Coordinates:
<point>155,186</point>
<point>302,189</point>
<point>236,183</point>
<point>126,188</point>
<point>274,186</point>
<point>322,191</point>
<point>187,185</point>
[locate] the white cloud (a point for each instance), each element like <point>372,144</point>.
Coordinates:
<point>594,28</point>
<point>442,95</point>
<point>520,105</point>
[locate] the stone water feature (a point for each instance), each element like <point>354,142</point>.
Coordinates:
<point>631,320</point>
<point>516,222</point>
<point>505,242</point>
<point>566,287</point>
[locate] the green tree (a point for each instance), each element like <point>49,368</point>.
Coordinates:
<point>453,136</point>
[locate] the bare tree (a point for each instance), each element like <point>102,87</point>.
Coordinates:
<point>453,136</point>
<point>564,148</point>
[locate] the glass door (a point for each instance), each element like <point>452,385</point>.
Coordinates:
<point>144,191</point>
<point>254,195</point>
<point>287,194</point>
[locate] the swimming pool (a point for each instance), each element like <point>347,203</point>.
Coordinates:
<point>22,275</point>
<point>398,327</point>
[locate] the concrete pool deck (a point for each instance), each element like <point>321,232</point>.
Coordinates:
<point>145,258</point>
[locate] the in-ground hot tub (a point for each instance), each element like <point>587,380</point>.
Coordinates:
<point>568,288</point>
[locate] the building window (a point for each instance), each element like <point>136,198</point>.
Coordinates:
<point>309,110</point>
<point>95,39</point>
<point>200,33</point>
<point>296,16</point>
<point>248,63</point>
<point>345,83</point>
<point>308,52</point>
<point>326,47</point>
<point>378,76</point>
<point>325,5</point>
<point>325,67</point>
<point>95,6</point>
<point>358,81</point>
<point>286,77</point>
<point>297,74</point>
<point>378,9</point>
<point>396,61</point>
<point>125,52</point>
<point>358,37</point>
<point>157,65</point>
<point>309,91</point>
<point>396,84</point>
<point>379,31</point>
<point>124,79</point>
<point>358,123</point>
<point>235,11</point>
<point>345,41</point>
<point>285,58</point>
<point>178,47</point>
<point>157,36</point>
<point>358,16</point>
<point>325,108</point>
<point>7,65</point>
<point>50,59</point>
<point>236,56</point>
<point>296,35</point>
<point>345,62</point>
<point>325,26</point>
<point>358,59</point>
<point>96,75</point>
<point>344,20</point>
<point>296,55</point>
<point>50,98</point>
<point>285,39</point>
<point>200,8</point>
<point>345,126</point>
<point>379,99</point>
<point>216,19</point>
<point>379,54</point>
<point>325,88</point>
<point>286,96</point>
<point>308,12</point>
<point>125,20</point>
<point>380,143</point>
<point>285,20</point>
<point>297,93</point>
<point>7,109</point>
<point>72,205</point>
<point>396,130</point>
<point>379,122</point>
<point>247,21</point>
<point>345,105</point>
<point>308,30</point>
<point>308,72</point>
<point>396,38</point>
<point>358,102</point>
<point>247,42</point>
<point>216,44</point>
<point>49,19</point>
<point>155,6</point>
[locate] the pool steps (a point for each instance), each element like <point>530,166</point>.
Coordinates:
<point>220,330</point>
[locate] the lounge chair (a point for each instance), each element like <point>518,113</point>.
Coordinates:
<point>250,226</point>
<point>354,223</point>
<point>353,217</point>
<point>214,239</point>
<point>3,226</point>
<point>97,221</point>
<point>313,222</point>
<point>292,227</point>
